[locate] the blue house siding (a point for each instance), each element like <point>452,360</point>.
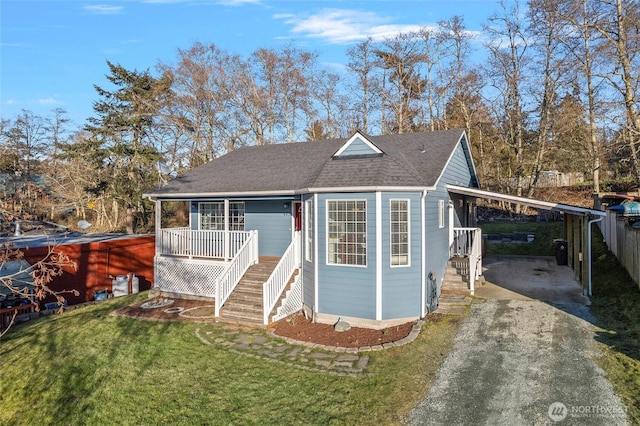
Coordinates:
<point>401,288</point>
<point>457,173</point>
<point>308,267</point>
<point>272,221</point>
<point>347,290</point>
<point>357,147</point>
<point>269,217</point>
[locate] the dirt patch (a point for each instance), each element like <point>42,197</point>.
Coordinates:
<point>179,310</point>
<point>295,327</point>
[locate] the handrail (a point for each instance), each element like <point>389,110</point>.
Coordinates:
<point>246,256</point>
<point>275,285</point>
<point>467,242</point>
<point>200,243</point>
<point>462,241</point>
<point>475,259</point>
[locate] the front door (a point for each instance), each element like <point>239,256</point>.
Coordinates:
<point>297,215</point>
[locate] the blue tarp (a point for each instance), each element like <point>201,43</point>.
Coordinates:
<point>627,208</point>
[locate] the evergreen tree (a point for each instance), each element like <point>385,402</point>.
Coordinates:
<point>121,137</point>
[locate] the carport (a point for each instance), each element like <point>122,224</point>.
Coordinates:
<point>577,223</point>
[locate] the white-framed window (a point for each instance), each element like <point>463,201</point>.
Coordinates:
<point>212,216</point>
<point>308,230</point>
<point>399,229</point>
<point>236,216</point>
<point>441,213</point>
<point>347,232</point>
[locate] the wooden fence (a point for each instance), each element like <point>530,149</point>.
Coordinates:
<point>551,179</point>
<point>624,242</point>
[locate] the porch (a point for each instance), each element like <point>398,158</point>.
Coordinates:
<point>212,264</point>
<point>465,262</point>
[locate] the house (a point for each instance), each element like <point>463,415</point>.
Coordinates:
<point>360,228</point>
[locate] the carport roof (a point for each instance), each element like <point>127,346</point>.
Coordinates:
<point>538,204</point>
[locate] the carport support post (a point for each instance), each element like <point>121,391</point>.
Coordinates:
<point>586,255</point>
<point>576,245</point>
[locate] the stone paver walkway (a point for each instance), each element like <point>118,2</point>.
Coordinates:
<point>302,355</point>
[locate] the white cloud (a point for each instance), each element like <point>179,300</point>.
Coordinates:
<point>339,26</point>
<point>237,2</point>
<point>49,101</point>
<point>103,9</point>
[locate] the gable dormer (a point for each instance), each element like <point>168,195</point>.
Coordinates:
<point>357,146</point>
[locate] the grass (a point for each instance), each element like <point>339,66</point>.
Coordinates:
<point>615,303</point>
<point>542,245</point>
<point>88,367</point>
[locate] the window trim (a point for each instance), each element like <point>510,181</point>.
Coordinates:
<point>226,215</point>
<point>408,222</point>
<point>366,251</point>
<point>201,216</point>
<point>440,214</point>
<point>308,229</point>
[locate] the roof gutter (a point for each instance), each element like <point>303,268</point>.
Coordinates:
<point>538,204</point>
<point>187,195</point>
<point>366,189</point>
<point>290,192</point>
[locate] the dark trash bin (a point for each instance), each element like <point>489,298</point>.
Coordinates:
<point>562,251</point>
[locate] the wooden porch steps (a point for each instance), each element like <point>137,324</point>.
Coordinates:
<point>244,305</point>
<point>456,278</point>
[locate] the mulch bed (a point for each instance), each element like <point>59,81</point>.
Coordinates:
<point>295,327</point>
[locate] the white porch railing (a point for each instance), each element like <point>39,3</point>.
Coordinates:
<point>198,243</point>
<point>274,286</point>
<point>467,242</point>
<point>246,256</point>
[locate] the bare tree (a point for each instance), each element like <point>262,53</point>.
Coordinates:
<point>621,29</point>
<point>25,142</point>
<point>197,110</point>
<point>547,30</point>
<point>42,273</point>
<point>454,42</point>
<point>508,50</point>
<point>432,61</point>
<point>401,57</point>
<point>362,65</point>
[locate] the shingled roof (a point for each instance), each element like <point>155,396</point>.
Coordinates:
<point>407,160</point>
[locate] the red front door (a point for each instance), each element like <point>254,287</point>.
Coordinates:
<point>297,215</point>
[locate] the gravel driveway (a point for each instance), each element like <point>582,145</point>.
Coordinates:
<point>522,362</point>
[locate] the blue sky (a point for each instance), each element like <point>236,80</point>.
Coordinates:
<point>53,52</point>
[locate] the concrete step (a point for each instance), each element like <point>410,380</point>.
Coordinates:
<point>454,284</point>
<point>458,292</point>
<point>453,304</point>
<point>242,319</point>
<point>454,299</point>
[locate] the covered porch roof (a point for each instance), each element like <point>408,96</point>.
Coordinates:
<point>577,226</point>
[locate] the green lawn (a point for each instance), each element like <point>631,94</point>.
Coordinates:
<point>616,304</point>
<point>88,367</point>
<point>542,245</point>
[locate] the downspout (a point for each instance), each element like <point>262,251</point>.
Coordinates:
<point>451,223</point>
<point>423,248</point>
<point>589,244</point>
